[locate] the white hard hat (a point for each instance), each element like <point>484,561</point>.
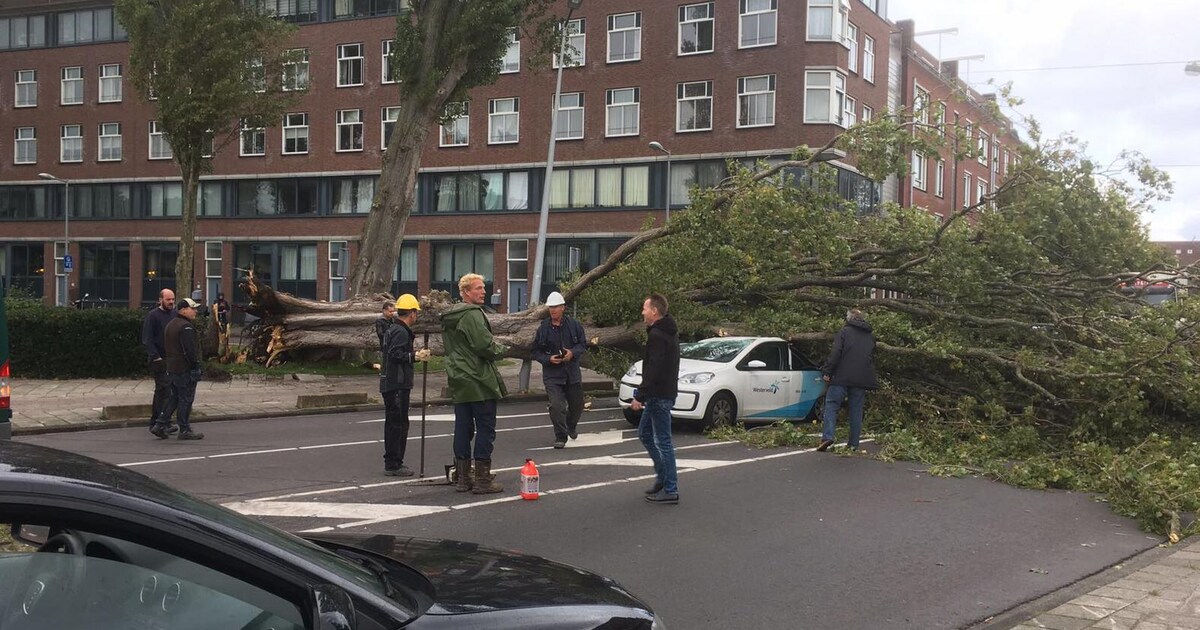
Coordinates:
<point>555,299</point>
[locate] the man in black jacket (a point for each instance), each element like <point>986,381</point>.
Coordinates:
<point>558,346</point>
<point>182,362</point>
<point>385,320</point>
<point>152,340</point>
<point>850,372</point>
<point>656,396</point>
<point>396,383</point>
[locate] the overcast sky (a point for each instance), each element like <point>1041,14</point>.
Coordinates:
<point>1153,107</point>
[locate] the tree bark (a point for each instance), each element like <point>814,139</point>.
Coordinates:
<point>190,171</point>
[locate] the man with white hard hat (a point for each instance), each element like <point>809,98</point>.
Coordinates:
<point>558,346</point>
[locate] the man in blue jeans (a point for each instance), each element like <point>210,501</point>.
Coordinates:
<point>656,396</point>
<point>850,372</point>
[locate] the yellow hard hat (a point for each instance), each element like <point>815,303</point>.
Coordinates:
<point>408,302</point>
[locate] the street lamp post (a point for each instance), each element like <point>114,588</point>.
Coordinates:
<point>535,291</point>
<point>64,297</point>
<point>659,147</point>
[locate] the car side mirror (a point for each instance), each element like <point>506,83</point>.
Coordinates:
<point>756,365</point>
<point>334,608</point>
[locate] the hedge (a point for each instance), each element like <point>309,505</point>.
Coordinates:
<point>56,342</point>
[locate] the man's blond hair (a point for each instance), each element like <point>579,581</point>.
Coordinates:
<point>465,282</point>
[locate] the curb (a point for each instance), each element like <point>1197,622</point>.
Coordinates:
<point>282,413</point>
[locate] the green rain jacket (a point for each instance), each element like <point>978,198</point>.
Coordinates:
<point>470,355</point>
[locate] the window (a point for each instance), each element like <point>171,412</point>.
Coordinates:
<point>110,142</point>
<point>696,28</point>
<point>851,42</point>
<point>512,55</point>
<point>504,120</point>
<point>966,190</point>
<point>457,132</point>
<point>26,92</point>
<point>253,141</point>
<point>603,187</point>
<point>481,191</point>
<point>295,70</point>
<point>339,267</point>
<point>298,270</point>
<point>868,113</point>
<point>110,83</point>
<point>756,101</point>
<point>570,117</point>
<point>23,32</point>
<point>868,65</point>
<point>995,154</point>
<point>920,105</point>
<point>625,37</point>
<point>256,74</point>
<point>389,72</point>
<point>1004,164</point>
<point>696,174</point>
<point>622,112</point>
<point>983,147</point>
<point>452,260</point>
<point>291,196</point>
<point>981,189</point>
<point>919,169</point>
<point>353,195</point>
<point>757,23</point>
<point>824,96</point>
<point>828,20</point>
<point>576,45</point>
<point>349,130</point>
<point>295,133</point>
<point>350,65</point>
<point>71,144</point>
<point>872,5</point>
<point>939,182</point>
<point>89,25</point>
<point>366,8</point>
<point>849,112</point>
<point>159,148</point>
<point>25,146</point>
<point>387,116</point>
<point>295,11</point>
<point>72,86</point>
<point>940,120</point>
<point>693,106</point>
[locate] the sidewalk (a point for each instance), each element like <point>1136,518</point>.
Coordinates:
<point>50,406</point>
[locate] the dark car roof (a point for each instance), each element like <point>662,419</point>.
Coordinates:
<point>21,457</point>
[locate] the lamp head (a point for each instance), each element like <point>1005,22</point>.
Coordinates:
<point>574,4</point>
<point>657,146</point>
<point>47,176</point>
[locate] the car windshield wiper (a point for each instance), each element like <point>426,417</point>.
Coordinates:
<point>379,569</point>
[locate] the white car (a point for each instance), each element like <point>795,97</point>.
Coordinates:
<point>726,379</point>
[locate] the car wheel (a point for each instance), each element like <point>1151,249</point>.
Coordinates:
<point>815,412</point>
<point>722,411</point>
<point>633,417</point>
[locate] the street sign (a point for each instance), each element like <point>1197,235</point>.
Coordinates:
<point>68,263</point>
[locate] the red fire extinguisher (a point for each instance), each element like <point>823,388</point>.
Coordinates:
<point>529,481</point>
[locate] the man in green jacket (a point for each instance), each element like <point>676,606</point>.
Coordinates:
<point>475,385</point>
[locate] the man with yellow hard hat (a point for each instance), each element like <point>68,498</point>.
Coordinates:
<point>396,383</point>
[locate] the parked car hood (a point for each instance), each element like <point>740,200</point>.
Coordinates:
<point>686,366</point>
<point>470,578</point>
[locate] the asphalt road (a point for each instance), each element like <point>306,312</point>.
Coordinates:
<point>781,538</point>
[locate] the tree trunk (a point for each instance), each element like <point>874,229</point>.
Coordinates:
<point>190,170</point>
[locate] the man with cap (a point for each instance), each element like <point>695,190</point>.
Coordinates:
<point>558,346</point>
<point>183,372</point>
<point>396,383</point>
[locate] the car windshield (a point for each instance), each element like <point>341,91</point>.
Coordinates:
<point>717,349</point>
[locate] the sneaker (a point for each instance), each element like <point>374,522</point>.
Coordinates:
<point>402,471</point>
<point>560,444</point>
<point>573,435</point>
<point>172,429</point>
<point>158,431</point>
<point>190,435</point>
<point>662,496</point>
<point>655,489</point>
<point>824,446</point>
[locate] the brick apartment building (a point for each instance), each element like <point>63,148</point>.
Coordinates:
<point>748,80</point>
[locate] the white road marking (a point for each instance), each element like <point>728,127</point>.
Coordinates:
<point>449,417</point>
<point>603,438</point>
<point>314,509</point>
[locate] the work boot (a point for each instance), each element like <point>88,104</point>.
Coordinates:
<point>485,481</point>
<point>189,435</point>
<point>159,430</point>
<point>462,475</point>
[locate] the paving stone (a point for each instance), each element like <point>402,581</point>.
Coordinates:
<point>1114,623</point>
<point>1186,555</point>
<point>1082,612</point>
<point>1136,585</point>
<point>1113,603</point>
<point>1157,578</point>
<point>1157,604</point>
<point>1058,622</point>
<point>1122,593</point>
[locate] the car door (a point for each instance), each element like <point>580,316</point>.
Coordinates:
<point>806,376</point>
<point>769,385</point>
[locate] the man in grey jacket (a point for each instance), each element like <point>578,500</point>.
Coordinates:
<point>850,372</point>
<point>558,346</point>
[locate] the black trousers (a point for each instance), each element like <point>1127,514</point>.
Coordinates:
<point>179,401</point>
<point>162,389</point>
<point>395,427</point>
<point>566,407</point>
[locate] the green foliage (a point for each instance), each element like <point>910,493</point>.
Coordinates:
<point>53,342</point>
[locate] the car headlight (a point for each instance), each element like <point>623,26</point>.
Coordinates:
<point>697,378</point>
<point>632,371</point>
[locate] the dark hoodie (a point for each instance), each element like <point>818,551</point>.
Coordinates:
<point>660,366</point>
<point>851,363</point>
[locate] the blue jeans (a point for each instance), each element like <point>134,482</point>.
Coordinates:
<point>478,420</point>
<point>655,433</point>
<point>180,397</point>
<point>833,401</point>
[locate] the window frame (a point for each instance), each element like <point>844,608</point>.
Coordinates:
<point>387,72</point>
<point>850,40</point>
<point>868,67</point>
<point>939,180</point>
<point>156,136</point>
<point>560,110</point>
<point>259,132</point>
<point>348,126</point>
<point>384,121</point>
<point>712,26</point>
<point>346,64</point>
<point>494,115</point>
<point>77,83</point>
<point>22,85</point>
<point>297,130</point>
<point>682,97</point>
<point>743,13</point>
<point>507,65</point>
<point>609,104</point>
<point>742,93</point>
<point>299,58</point>
<point>920,171</point>
<point>453,125</point>
<point>636,29</point>
<point>579,34</point>
<point>837,96</point>
<point>19,141</point>
<point>116,79</point>
<point>62,144</point>
<point>102,137</point>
